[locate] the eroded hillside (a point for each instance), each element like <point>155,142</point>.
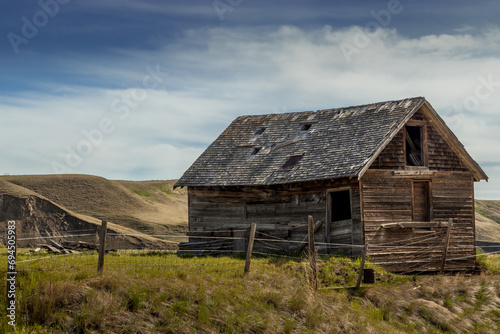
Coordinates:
<point>151,207</point>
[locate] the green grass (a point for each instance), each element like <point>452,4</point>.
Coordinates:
<point>141,192</point>
<point>160,292</point>
<point>482,212</point>
<point>488,263</point>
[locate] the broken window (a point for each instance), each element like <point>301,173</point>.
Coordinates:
<point>291,162</point>
<point>414,146</point>
<point>259,131</point>
<point>340,205</point>
<point>305,127</point>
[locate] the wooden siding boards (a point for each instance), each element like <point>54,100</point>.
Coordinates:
<point>388,199</point>
<point>392,157</point>
<point>276,211</point>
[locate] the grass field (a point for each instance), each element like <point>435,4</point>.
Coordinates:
<point>160,292</point>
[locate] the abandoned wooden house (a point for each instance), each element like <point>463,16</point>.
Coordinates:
<point>388,175</point>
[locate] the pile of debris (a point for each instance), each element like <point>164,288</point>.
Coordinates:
<point>200,248</point>
<point>68,247</point>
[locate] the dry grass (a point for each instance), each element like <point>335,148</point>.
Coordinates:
<point>208,295</point>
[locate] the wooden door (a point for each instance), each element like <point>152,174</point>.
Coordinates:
<point>421,201</point>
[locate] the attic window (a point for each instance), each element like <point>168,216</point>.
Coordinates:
<point>415,145</point>
<point>291,162</point>
<point>305,127</point>
<point>259,131</point>
<point>255,150</point>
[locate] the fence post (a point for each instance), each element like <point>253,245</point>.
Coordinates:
<point>102,246</point>
<point>250,247</point>
<point>362,266</point>
<point>446,244</point>
<point>312,253</point>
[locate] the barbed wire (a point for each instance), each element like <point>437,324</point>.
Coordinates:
<point>269,238</point>
<point>45,257</point>
<point>58,236</point>
<point>267,245</point>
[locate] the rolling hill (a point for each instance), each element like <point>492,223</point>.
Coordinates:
<point>146,206</point>
<point>58,204</point>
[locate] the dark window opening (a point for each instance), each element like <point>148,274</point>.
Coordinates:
<point>341,205</point>
<point>259,131</point>
<point>255,150</point>
<point>414,144</point>
<point>291,162</point>
<point>305,127</point>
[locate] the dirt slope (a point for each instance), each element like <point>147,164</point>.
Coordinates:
<point>146,206</point>
<point>38,217</point>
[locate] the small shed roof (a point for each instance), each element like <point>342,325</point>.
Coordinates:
<point>305,146</point>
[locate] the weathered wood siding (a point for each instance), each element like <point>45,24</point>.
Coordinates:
<point>453,197</point>
<point>392,157</point>
<point>279,211</point>
<point>440,156</point>
<point>387,198</point>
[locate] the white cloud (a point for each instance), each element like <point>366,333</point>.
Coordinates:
<point>219,74</point>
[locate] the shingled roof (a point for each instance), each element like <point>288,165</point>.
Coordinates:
<point>300,146</point>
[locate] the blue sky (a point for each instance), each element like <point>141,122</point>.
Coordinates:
<point>138,89</point>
